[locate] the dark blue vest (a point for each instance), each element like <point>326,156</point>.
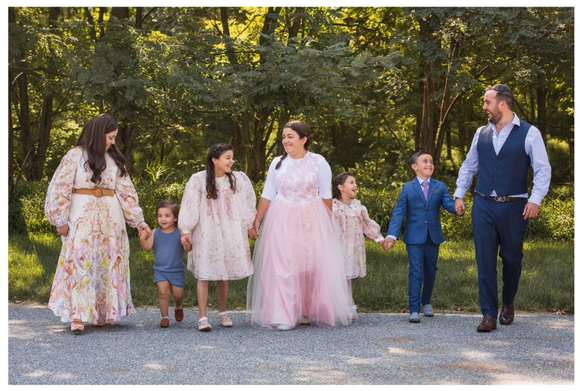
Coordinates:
<point>506,173</point>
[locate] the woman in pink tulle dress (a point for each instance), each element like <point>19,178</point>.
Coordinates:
<point>299,274</point>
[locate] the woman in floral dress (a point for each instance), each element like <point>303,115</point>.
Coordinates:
<point>217,214</point>
<point>89,200</point>
<point>299,274</point>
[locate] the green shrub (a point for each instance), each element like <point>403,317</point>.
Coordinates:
<point>26,208</point>
<point>559,155</point>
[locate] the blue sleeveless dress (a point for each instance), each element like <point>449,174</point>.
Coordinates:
<point>168,252</point>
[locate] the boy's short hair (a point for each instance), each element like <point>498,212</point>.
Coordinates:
<point>169,205</point>
<point>416,155</point>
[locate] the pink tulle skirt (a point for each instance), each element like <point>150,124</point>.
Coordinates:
<point>298,268</point>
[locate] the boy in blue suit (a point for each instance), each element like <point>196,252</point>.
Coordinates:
<point>420,201</point>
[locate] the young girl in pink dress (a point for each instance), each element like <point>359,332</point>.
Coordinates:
<point>89,199</point>
<point>354,222</point>
<point>216,217</point>
<point>299,274</point>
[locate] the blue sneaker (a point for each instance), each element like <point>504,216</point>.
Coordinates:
<point>428,310</point>
<point>414,317</point>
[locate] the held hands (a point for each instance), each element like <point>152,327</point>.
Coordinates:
<point>144,227</point>
<point>459,207</point>
<point>531,211</point>
<point>185,241</point>
<point>62,231</point>
<point>388,244</point>
<point>252,233</point>
<point>256,229</point>
<point>144,235</point>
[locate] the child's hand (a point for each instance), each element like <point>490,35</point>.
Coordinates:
<point>185,240</point>
<point>144,235</point>
<point>388,244</point>
<point>252,233</point>
<point>459,207</point>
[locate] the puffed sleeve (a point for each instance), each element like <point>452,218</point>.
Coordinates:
<point>189,210</point>
<point>370,227</point>
<point>270,190</point>
<point>59,194</point>
<point>248,199</point>
<point>129,201</point>
<point>324,180</point>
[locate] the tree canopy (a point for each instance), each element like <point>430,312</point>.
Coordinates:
<point>374,83</point>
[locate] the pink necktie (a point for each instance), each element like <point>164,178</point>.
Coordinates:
<point>425,185</point>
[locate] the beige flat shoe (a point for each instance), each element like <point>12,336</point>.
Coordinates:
<point>225,321</point>
<point>203,324</point>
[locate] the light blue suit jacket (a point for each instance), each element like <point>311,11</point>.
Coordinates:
<point>422,217</point>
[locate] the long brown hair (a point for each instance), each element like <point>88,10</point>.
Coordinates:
<point>215,151</point>
<point>92,139</point>
<point>303,131</point>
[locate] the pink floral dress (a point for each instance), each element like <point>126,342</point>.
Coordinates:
<point>91,283</point>
<point>355,222</point>
<point>219,227</point>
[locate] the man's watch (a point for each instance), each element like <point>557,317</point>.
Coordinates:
<point>457,198</point>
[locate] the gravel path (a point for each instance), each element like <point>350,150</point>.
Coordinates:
<point>376,349</point>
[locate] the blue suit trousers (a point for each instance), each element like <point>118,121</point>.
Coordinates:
<point>498,225</point>
<point>422,270</point>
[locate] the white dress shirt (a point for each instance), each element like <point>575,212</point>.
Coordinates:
<point>535,149</point>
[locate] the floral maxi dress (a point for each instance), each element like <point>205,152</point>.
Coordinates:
<point>92,279</point>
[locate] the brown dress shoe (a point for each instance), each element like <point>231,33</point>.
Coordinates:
<point>487,324</point>
<point>179,315</point>
<point>507,314</point>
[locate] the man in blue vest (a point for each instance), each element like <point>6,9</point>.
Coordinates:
<point>501,154</point>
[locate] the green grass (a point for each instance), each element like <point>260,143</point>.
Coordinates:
<point>547,279</point>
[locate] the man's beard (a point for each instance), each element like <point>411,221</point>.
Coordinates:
<point>494,118</point>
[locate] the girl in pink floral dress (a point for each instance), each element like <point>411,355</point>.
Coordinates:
<point>217,213</point>
<point>354,222</point>
<point>89,200</point>
<point>299,274</point>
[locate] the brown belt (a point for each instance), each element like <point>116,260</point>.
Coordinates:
<point>97,192</point>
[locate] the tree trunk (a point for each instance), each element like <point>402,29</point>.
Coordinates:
<point>429,118</point>
<point>295,24</point>
<point>445,108</point>
<point>268,28</point>
<point>125,135</point>
<point>230,53</point>
<point>102,12</point>
<point>10,140</point>
<point>43,137</point>
<point>24,117</point>
<point>120,12</point>
<point>138,17</point>
<point>284,119</point>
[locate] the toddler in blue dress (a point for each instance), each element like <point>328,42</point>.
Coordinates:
<point>168,269</point>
